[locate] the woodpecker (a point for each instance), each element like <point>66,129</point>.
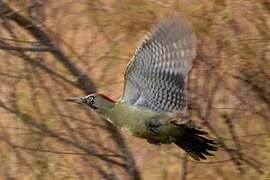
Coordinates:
<point>153,105</point>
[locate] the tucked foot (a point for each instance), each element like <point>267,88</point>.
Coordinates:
<point>153,126</point>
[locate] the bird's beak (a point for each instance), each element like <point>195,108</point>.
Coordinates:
<point>78,100</point>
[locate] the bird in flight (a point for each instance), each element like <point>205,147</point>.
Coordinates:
<point>153,105</point>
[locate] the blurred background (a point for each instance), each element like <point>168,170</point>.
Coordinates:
<point>51,50</point>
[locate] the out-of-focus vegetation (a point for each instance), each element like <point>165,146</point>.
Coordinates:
<point>50,50</point>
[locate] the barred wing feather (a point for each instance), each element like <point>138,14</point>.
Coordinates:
<point>156,76</point>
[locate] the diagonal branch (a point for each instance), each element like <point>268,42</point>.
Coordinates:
<point>21,48</point>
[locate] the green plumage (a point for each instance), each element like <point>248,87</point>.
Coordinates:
<point>155,95</point>
<point>134,119</point>
<point>156,127</point>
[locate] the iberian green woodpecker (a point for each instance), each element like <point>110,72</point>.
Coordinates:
<point>154,102</point>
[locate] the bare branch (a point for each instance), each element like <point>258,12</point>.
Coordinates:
<point>6,12</point>
<point>62,152</point>
<point>17,48</point>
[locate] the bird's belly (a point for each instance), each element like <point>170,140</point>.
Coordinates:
<point>135,120</point>
<point>160,135</point>
<point>140,132</point>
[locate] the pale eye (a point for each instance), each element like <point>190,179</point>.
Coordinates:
<point>90,100</point>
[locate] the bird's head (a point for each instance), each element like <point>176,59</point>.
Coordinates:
<point>97,102</point>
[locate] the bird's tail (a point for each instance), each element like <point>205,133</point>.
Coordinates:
<point>193,142</point>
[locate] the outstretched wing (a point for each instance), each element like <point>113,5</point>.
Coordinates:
<point>156,76</point>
